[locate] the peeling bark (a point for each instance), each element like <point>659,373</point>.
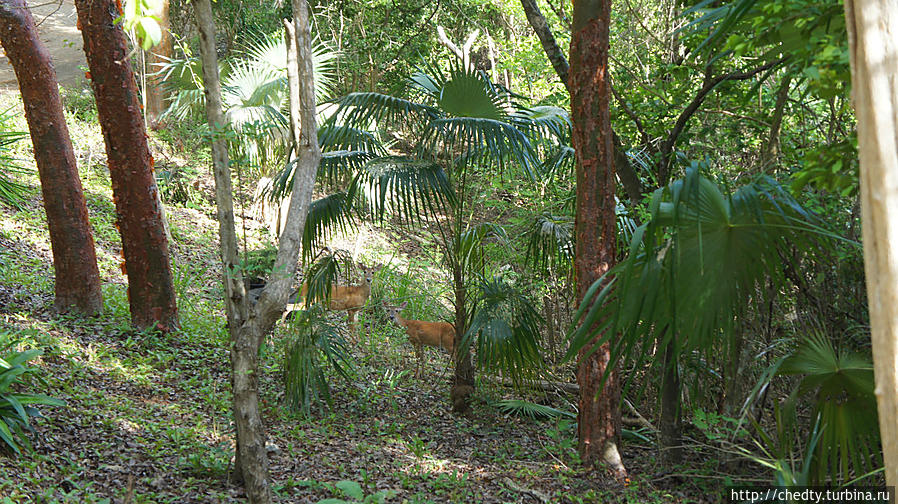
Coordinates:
<point>139,214</point>
<point>74,257</point>
<point>599,408</point>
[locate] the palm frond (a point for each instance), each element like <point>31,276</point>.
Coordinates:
<point>406,187</point>
<point>692,268</point>
<point>531,410</point>
<point>314,343</point>
<point>468,247</point>
<point>341,164</point>
<point>364,109</point>
<point>327,215</point>
<point>550,242</point>
<point>465,94</point>
<point>333,137</point>
<point>483,140</point>
<point>505,327</point>
<point>842,384</point>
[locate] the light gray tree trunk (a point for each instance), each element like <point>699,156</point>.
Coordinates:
<point>249,324</point>
<point>873,43</point>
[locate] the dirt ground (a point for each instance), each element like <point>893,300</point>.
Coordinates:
<point>56,21</point>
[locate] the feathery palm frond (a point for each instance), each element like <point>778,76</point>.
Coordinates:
<point>322,274</point>
<point>364,109</point>
<point>326,215</point>
<point>333,137</point>
<point>12,192</point>
<point>468,247</point>
<point>550,242</point>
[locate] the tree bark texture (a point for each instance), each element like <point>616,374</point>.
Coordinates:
<point>249,325</point>
<point>74,256</point>
<point>599,408</point>
<point>463,379</point>
<point>232,278</point>
<point>156,97</point>
<point>671,424</point>
<point>873,45</point>
<point>139,213</point>
<point>540,26</point>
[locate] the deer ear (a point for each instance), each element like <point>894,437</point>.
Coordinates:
<point>403,305</point>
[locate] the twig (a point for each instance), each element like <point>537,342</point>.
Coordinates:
<point>529,491</point>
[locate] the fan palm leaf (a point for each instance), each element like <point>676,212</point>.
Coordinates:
<point>406,187</point>
<point>842,385</point>
<point>506,329</point>
<point>693,267</point>
<point>313,344</point>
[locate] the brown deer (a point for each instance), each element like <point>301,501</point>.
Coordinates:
<point>421,332</point>
<point>350,298</point>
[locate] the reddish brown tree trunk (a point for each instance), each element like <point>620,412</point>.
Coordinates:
<point>157,98</point>
<point>150,289</point>
<point>599,416</point>
<point>74,257</point>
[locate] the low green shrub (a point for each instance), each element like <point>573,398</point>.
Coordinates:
<point>17,408</point>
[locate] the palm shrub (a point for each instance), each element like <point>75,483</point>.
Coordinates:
<point>457,126</point>
<point>11,190</point>
<point>254,97</point>
<point>313,345</point>
<point>692,272</point>
<point>842,444</point>
<point>18,408</point>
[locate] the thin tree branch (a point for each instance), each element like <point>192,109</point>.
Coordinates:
<point>692,108</point>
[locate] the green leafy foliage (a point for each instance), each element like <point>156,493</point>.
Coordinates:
<point>138,18</point>
<point>18,408</point>
<point>314,343</point>
<point>12,191</point>
<point>841,385</point>
<point>692,268</point>
<point>506,330</point>
<point>531,410</point>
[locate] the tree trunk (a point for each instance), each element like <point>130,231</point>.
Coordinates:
<point>249,325</point>
<point>873,43</point>
<point>770,151</point>
<point>540,26</point>
<point>157,98</point>
<point>74,256</point>
<point>671,411</point>
<point>235,291</point>
<point>150,289</point>
<point>463,380</point>
<point>599,415</point>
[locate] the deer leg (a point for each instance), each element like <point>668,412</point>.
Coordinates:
<point>352,325</point>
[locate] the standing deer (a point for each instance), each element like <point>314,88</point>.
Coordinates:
<point>350,298</point>
<point>421,332</point>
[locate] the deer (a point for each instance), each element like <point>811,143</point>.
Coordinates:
<point>350,298</point>
<point>422,332</point>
